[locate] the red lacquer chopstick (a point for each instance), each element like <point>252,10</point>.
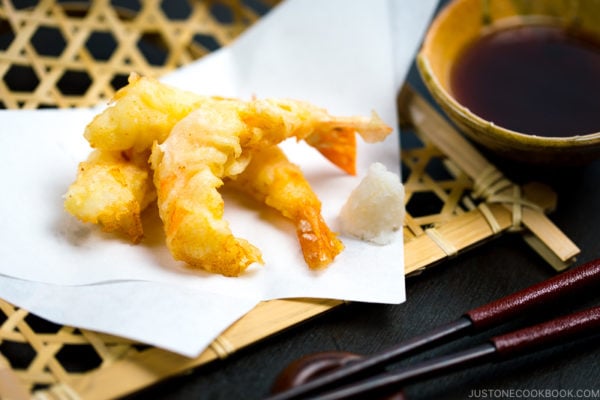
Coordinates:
<point>337,367</point>
<point>562,329</point>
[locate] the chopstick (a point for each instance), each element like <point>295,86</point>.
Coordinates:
<point>476,320</point>
<point>507,345</point>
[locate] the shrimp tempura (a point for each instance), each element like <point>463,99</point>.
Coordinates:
<point>196,142</point>
<point>214,142</point>
<point>112,189</point>
<point>141,113</point>
<point>271,178</point>
<point>189,166</point>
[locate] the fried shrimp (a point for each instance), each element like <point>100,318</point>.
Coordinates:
<point>115,184</point>
<point>193,143</point>
<point>333,137</point>
<point>189,166</point>
<point>112,189</point>
<point>217,141</point>
<point>142,112</point>
<point>272,179</point>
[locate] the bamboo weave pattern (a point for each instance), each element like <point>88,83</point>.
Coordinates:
<point>67,54</point>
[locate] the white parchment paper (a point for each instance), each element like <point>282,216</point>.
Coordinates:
<point>347,56</point>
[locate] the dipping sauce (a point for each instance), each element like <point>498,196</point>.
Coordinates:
<point>534,79</point>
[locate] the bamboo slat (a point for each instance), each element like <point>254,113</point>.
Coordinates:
<point>153,365</point>
<point>461,232</point>
<point>553,244</point>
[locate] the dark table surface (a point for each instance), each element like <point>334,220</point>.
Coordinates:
<point>440,294</point>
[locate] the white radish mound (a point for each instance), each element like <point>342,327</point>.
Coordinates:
<point>375,208</point>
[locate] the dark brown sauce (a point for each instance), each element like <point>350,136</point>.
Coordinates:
<point>538,79</point>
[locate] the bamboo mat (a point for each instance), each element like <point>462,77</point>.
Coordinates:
<point>467,200</point>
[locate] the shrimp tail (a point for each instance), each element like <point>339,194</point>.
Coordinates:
<point>335,138</point>
<point>319,244</point>
<point>338,145</point>
<point>271,178</point>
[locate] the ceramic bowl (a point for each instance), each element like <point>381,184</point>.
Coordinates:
<point>463,21</point>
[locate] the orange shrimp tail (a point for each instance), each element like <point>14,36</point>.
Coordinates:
<point>338,145</point>
<point>319,244</point>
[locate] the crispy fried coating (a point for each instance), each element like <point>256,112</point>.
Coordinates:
<point>272,179</point>
<point>333,136</point>
<point>145,111</point>
<point>112,189</point>
<point>196,142</point>
<point>216,141</point>
<point>115,184</point>
<point>142,112</point>
<point>189,166</point>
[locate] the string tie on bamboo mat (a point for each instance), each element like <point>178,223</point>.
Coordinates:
<point>490,218</point>
<point>59,391</point>
<point>489,185</point>
<point>489,182</point>
<point>222,347</point>
<point>441,242</point>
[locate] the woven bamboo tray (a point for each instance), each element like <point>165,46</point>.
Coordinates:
<point>66,54</point>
